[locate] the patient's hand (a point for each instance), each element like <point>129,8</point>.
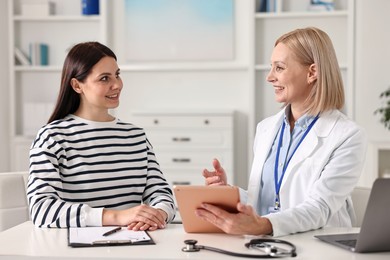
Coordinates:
<point>143,226</point>
<point>141,217</point>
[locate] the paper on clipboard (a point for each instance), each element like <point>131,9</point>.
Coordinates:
<point>93,236</point>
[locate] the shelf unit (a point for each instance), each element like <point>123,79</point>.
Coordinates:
<point>292,14</point>
<point>40,84</point>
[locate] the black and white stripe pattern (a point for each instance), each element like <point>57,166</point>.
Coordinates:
<point>77,164</point>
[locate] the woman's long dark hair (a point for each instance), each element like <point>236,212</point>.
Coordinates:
<point>78,64</point>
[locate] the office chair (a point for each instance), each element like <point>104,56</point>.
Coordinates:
<point>360,197</point>
<point>13,201</point>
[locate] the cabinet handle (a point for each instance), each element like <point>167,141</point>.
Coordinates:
<point>181,183</point>
<point>181,160</point>
<point>181,139</point>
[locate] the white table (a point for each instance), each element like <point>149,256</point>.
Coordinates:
<point>28,242</point>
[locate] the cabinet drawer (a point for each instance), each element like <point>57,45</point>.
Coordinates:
<point>185,178</point>
<point>191,159</point>
<point>190,177</point>
<point>188,121</point>
<point>190,138</point>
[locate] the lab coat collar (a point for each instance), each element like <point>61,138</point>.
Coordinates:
<point>321,129</point>
<point>326,122</point>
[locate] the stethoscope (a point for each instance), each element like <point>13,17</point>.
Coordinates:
<point>270,251</point>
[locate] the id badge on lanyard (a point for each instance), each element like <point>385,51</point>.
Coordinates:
<point>276,207</point>
<point>278,183</point>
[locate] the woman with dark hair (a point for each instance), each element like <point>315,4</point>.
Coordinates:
<point>88,168</point>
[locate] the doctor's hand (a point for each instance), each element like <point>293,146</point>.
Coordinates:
<point>142,217</point>
<point>245,222</point>
<point>216,177</point>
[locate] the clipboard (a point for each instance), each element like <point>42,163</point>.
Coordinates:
<point>93,237</point>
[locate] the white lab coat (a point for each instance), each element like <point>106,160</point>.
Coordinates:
<point>316,188</point>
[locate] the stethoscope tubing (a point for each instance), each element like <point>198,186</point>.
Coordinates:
<point>192,247</point>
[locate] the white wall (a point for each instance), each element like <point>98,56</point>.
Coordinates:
<point>4,120</point>
<point>372,63</point>
<point>372,72</point>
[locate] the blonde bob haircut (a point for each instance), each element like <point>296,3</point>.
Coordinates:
<point>313,46</point>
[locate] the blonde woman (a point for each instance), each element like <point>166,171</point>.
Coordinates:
<point>308,157</point>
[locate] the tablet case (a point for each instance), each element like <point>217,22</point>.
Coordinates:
<point>190,197</point>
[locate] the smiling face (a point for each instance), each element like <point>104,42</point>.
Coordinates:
<point>289,78</point>
<point>100,91</point>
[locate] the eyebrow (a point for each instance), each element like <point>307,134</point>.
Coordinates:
<point>108,73</point>
<point>279,62</point>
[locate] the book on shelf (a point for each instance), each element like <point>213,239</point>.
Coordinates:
<point>267,6</point>
<point>90,7</point>
<point>21,58</point>
<point>39,54</point>
<point>44,54</point>
<point>321,5</point>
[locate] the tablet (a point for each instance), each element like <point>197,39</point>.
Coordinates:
<point>190,197</point>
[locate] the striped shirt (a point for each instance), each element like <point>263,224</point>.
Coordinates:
<point>78,167</point>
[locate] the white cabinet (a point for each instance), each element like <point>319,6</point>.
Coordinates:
<point>185,143</point>
<point>290,15</point>
<point>33,88</point>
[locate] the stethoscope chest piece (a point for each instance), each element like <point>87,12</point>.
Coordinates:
<point>190,246</point>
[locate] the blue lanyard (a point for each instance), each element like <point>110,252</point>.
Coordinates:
<point>278,183</point>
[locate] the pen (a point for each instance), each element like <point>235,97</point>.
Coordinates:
<point>112,231</point>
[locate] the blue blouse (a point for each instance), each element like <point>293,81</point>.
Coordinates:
<point>289,144</point>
